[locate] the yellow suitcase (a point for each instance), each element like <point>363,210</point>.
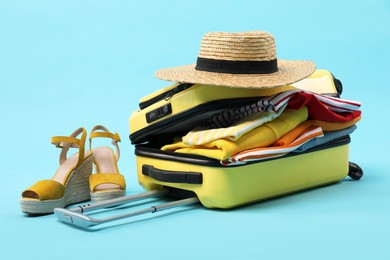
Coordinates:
<point>179,108</point>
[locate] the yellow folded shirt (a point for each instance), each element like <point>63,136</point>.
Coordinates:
<point>261,136</point>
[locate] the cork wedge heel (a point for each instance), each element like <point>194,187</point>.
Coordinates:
<point>70,183</point>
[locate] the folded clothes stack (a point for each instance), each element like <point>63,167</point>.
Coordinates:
<point>291,121</point>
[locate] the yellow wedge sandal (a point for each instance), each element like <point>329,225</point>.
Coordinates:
<point>107,182</point>
<point>70,183</point>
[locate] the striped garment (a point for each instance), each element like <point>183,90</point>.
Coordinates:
<point>262,136</point>
<point>228,117</point>
<point>325,108</point>
<point>200,136</point>
<point>232,124</point>
<point>320,107</point>
<point>275,102</point>
<point>263,153</point>
<point>328,137</point>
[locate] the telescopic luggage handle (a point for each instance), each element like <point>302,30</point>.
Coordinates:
<point>76,216</point>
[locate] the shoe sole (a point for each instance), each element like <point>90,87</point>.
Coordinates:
<point>106,195</point>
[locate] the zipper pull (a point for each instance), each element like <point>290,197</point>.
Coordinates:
<point>169,95</point>
<point>176,90</point>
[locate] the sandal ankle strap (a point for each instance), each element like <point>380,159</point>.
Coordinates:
<point>66,142</point>
<point>105,134</point>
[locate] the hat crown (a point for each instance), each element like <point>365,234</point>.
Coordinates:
<point>244,60</point>
<point>243,46</point>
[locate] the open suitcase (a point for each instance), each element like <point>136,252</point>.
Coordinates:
<point>177,109</point>
<point>215,185</point>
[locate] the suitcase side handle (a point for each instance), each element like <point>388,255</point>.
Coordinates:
<point>172,176</point>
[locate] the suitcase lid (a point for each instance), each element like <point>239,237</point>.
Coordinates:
<point>161,94</point>
<point>179,108</point>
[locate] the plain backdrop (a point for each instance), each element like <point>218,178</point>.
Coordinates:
<point>66,64</point>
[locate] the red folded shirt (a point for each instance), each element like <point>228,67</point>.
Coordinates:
<point>319,109</point>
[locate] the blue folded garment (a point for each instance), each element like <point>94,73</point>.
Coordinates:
<point>328,137</point>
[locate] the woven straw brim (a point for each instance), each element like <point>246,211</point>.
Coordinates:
<point>290,71</point>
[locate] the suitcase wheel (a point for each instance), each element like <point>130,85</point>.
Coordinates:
<point>355,172</point>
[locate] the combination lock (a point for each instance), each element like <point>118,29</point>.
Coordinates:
<point>158,113</point>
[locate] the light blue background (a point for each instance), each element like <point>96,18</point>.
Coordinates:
<point>65,64</point>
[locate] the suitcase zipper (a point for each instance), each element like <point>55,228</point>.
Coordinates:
<point>152,152</point>
<point>188,118</point>
<point>166,95</point>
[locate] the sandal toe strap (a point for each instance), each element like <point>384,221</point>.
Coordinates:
<point>106,178</point>
<point>45,190</point>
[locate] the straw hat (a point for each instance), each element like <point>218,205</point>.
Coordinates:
<point>246,60</point>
